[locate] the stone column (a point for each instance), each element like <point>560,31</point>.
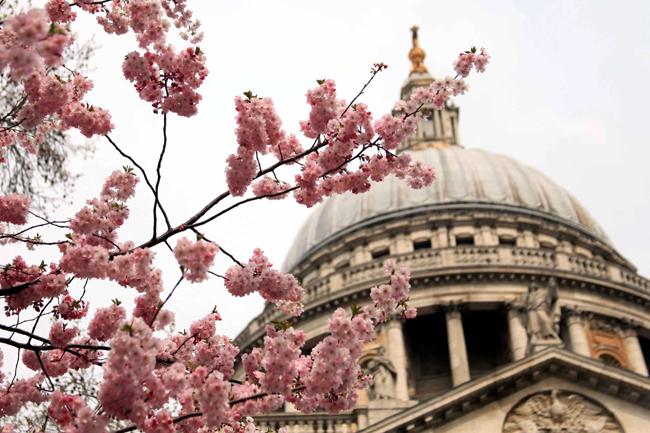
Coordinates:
<point>396,353</point>
<point>442,236</point>
<point>401,244</point>
<point>578,334</point>
<point>362,418</point>
<point>457,348</point>
<point>518,334</point>
<point>634,354</point>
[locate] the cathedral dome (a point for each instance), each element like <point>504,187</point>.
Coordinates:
<point>466,178</point>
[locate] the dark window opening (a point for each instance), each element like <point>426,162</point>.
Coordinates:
<point>380,253</point>
<point>507,240</point>
<point>428,355</point>
<point>486,339</point>
<point>645,348</point>
<point>609,360</point>
<point>464,240</point>
<point>422,245</point>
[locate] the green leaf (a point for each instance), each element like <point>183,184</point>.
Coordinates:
<point>320,82</point>
<point>356,309</point>
<point>249,95</point>
<point>127,328</point>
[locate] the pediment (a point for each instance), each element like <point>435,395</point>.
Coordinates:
<point>607,399</point>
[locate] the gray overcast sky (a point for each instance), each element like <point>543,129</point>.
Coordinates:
<point>566,93</point>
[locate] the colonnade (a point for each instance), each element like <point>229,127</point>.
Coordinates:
<point>578,342</point>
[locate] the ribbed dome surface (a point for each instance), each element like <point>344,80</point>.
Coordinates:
<point>464,177</point>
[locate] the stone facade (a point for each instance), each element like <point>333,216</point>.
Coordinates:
<point>529,320</point>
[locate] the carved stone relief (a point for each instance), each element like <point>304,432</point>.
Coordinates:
<point>558,411</point>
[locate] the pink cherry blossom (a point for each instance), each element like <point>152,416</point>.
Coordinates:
<point>60,11</point>
<point>258,276</point>
<point>71,309</point>
<point>14,208</point>
<point>61,334</point>
<point>119,186</point>
<point>195,257</point>
<point>267,186</point>
<point>324,107</point>
<point>63,408</point>
<point>106,322</point>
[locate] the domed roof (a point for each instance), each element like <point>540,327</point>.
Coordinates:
<point>467,178</point>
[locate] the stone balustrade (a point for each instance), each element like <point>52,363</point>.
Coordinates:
<point>471,256</point>
<point>585,266</point>
<point>310,423</point>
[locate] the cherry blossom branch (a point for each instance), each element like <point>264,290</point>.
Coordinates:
<point>162,304</point>
<point>144,173</point>
<point>48,345</point>
<point>156,191</point>
<point>230,256</point>
<point>241,202</point>
<point>377,68</point>
<point>55,223</point>
<point>14,290</point>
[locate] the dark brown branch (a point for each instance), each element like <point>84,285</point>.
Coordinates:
<point>157,203</point>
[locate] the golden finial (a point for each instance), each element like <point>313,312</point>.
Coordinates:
<point>416,54</point>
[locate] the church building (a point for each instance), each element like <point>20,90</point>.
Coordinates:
<point>529,320</point>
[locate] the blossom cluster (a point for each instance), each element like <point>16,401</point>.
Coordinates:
<point>471,59</point>
<point>31,48</point>
<point>94,231</point>
<point>330,374</point>
<point>258,276</point>
<point>390,298</point>
<point>49,95</point>
<point>166,79</point>
<point>349,132</point>
<point>195,258</point>
<point>41,282</point>
<point>14,208</point>
<point>259,130</point>
<point>163,77</point>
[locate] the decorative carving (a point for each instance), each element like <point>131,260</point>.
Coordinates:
<point>542,316</point>
<point>560,412</point>
<point>384,376</point>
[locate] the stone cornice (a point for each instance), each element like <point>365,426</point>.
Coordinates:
<point>551,362</point>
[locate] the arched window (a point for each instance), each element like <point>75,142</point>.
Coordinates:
<point>610,360</point>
